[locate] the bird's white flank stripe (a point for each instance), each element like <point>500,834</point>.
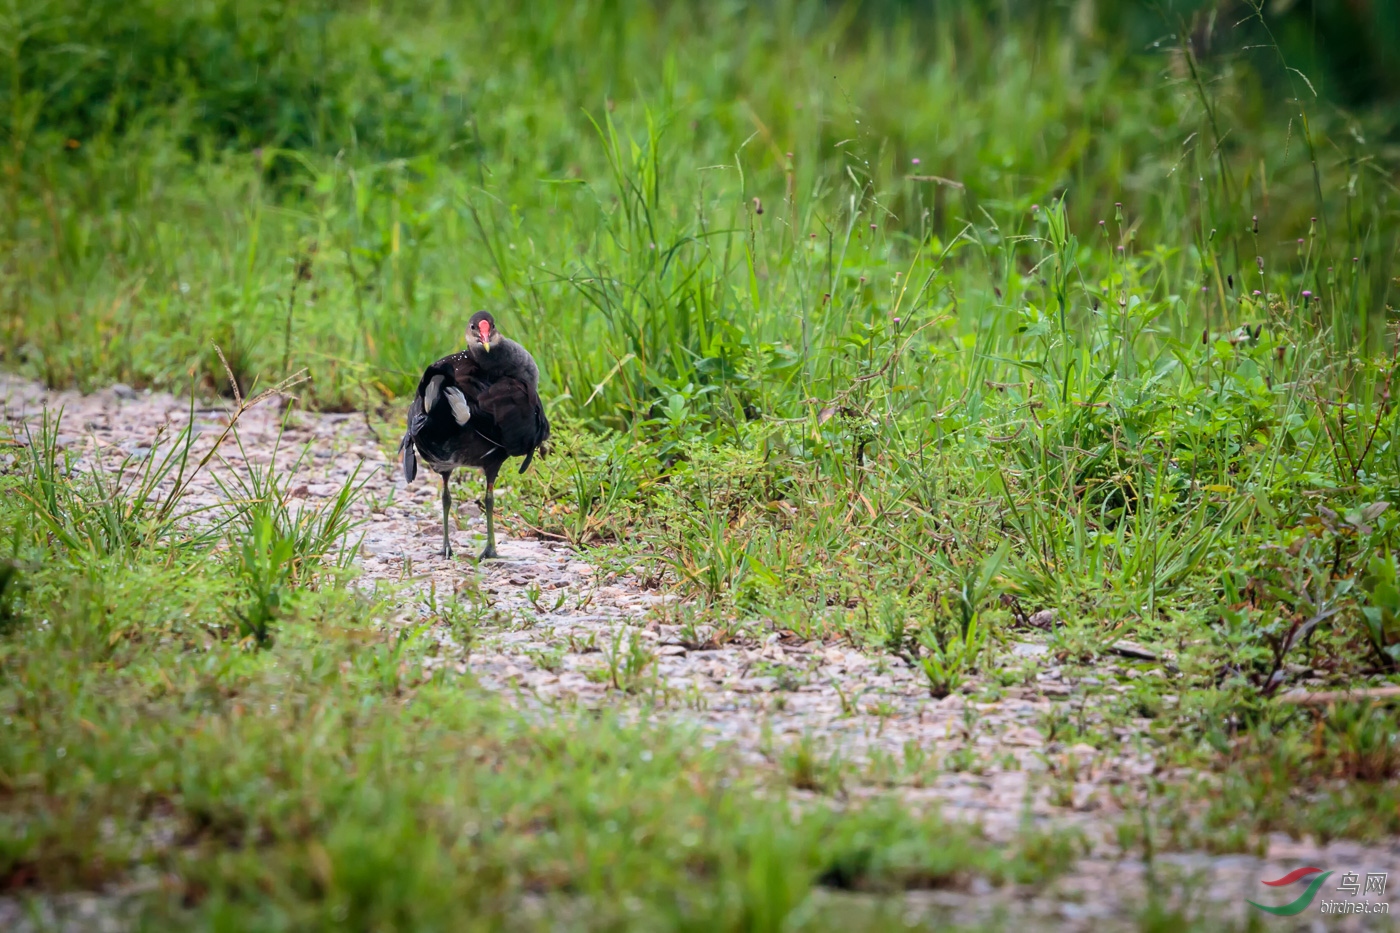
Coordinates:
<point>460,409</point>
<point>430,394</point>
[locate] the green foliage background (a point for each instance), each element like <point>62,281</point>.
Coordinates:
<point>412,146</point>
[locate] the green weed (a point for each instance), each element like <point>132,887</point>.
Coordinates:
<point>807,767</point>
<point>89,510</point>
<point>264,564</point>
<point>628,658</point>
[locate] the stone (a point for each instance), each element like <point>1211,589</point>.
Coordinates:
<point>1023,735</point>
<point>1131,649</point>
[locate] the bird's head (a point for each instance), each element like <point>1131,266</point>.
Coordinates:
<point>481,332</point>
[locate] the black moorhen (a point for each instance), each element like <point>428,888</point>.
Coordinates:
<point>475,409</point>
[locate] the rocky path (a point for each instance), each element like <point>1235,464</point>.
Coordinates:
<point>549,629</point>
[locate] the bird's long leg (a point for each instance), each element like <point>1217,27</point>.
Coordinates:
<point>446,514</point>
<point>490,503</point>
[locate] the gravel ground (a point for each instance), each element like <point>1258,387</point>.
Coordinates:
<point>552,620</point>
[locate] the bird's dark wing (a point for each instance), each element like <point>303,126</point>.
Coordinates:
<point>516,416</point>
<point>465,374</point>
<point>542,430</point>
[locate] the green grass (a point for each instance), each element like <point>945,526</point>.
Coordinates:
<point>331,779</point>
<point>853,321</point>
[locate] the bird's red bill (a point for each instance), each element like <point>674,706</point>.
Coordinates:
<point>485,329</point>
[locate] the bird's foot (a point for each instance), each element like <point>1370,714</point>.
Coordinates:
<point>489,553</point>
<point>447,552</point>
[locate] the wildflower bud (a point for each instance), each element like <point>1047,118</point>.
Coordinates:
<point>914,161</point>
<point>757,206</point>
<point>1259,261</point>
<point>1256,224</point>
